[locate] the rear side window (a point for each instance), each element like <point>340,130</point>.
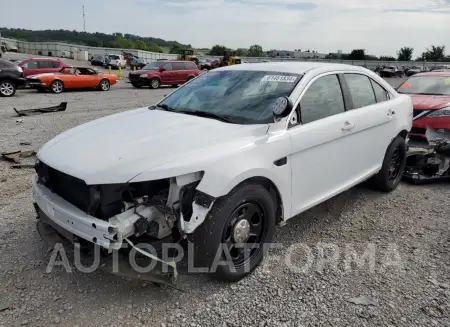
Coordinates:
<point>168,66</point>
<point>380,93</point>
<point>322,99</point>
<point>361,90</point>
<point>178,66</point>
<point>48,64</point>
<point>190,66</point>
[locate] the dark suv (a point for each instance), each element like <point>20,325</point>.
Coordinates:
<point>159,73</point>
<point>11,77</point>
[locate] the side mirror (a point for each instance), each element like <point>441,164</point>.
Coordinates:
<point>162,69</point>
<point>282,107</point>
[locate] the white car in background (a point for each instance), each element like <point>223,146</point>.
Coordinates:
<point>115,61</point>
<point>224,158</point>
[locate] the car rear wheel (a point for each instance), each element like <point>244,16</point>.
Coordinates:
<point>238,226</point>
<point>155,83</point>
<point>104,85</point>
<point>57,86</point>
<point>7,88</point>
<point>394,163</point>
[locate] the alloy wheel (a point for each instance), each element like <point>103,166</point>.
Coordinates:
<point>6,88</point>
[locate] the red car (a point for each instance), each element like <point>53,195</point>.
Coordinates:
<point>430,93</point>
<point>34,66</point>
<point>159,73</point>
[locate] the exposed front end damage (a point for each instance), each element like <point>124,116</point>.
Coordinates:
<point>111,215</point>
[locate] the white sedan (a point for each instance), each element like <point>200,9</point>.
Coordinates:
<point>224,158</point>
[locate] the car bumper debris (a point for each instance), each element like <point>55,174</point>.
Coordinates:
<point>28,112</point>
<point>429,163</point>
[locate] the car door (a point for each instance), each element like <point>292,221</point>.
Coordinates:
<point>180,72</point>
<point>167,76</point>
<point>373,116</point>
<point>30,68</point>
<point>321,150</point>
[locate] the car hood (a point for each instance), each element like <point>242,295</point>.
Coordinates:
<point>116,148</point>
<point>430,102</point>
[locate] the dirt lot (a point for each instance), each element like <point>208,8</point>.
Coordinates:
<point>410,227</point>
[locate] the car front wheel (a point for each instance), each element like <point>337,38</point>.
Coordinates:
<point>238,226</point>
<point>155,83</point>
<point>394,163</point>
<point>7,88</point>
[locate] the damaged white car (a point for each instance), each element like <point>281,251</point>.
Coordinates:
<point>224,158</point>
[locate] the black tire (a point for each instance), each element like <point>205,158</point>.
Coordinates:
<point>137,85</point>
<point>155,83</point>
<point>57,86</point>
<point>394,163</point>
<point>40,89</point>
<point>219,228</point>
<point>175,85</point>
<point>7,88</point>
<point>104,85</point>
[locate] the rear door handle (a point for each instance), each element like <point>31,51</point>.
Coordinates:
<point>348,126</point>
<point>391,112</point>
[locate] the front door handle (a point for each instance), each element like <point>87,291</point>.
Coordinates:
<point>348,126</point>
<point>391,112</point>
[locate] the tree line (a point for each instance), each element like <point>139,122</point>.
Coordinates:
<point>436,53</point>
<point>115,40</point>
<point>129,41</point>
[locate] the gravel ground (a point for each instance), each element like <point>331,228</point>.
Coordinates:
<point>409,227</point>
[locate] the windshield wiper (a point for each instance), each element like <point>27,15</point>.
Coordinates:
<point>163,106</point>
<point>205,114</point>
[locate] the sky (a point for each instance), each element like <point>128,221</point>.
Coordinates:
<point>381,27</point>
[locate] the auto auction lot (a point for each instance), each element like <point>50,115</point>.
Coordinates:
<point>412,222</point>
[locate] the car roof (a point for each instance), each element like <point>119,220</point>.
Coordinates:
<point>434,74</point>
<point>43,58</point>
<point>293,67</point>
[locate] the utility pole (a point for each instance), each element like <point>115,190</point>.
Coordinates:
<point>84,20</point>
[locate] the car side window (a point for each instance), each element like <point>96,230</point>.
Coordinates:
<point>380,93</point>
<point>178,66</point>
<point>190,66</point>
<point>45,64</point>
<point>168,67</point>
<point>31,65</point>
<point>323,98</point>
<point>55,64</point>
<point>361,90</point>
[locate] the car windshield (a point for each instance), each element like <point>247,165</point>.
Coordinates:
<point>114,57</point>
<point>428,85</point>
<point>239,96</point>
<point>152,65</point>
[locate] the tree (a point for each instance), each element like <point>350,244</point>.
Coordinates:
<point>255,51</point>
<point>155,48</point>
<point>241,53</point>
<point>436,53</point>
<point>387,58</point>
<point>176,49</point>
<point>218,50</point>
<point>357,54</point>
<point>405,54</point>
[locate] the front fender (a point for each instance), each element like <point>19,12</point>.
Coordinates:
<point>219,179</point>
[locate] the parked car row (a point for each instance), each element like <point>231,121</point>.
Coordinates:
<point>50,74</point>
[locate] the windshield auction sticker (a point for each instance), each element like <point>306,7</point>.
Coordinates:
<point>447,81</point>
<point>279,78</point>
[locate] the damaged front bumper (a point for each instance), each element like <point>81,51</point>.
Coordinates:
<point>59,216</point>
